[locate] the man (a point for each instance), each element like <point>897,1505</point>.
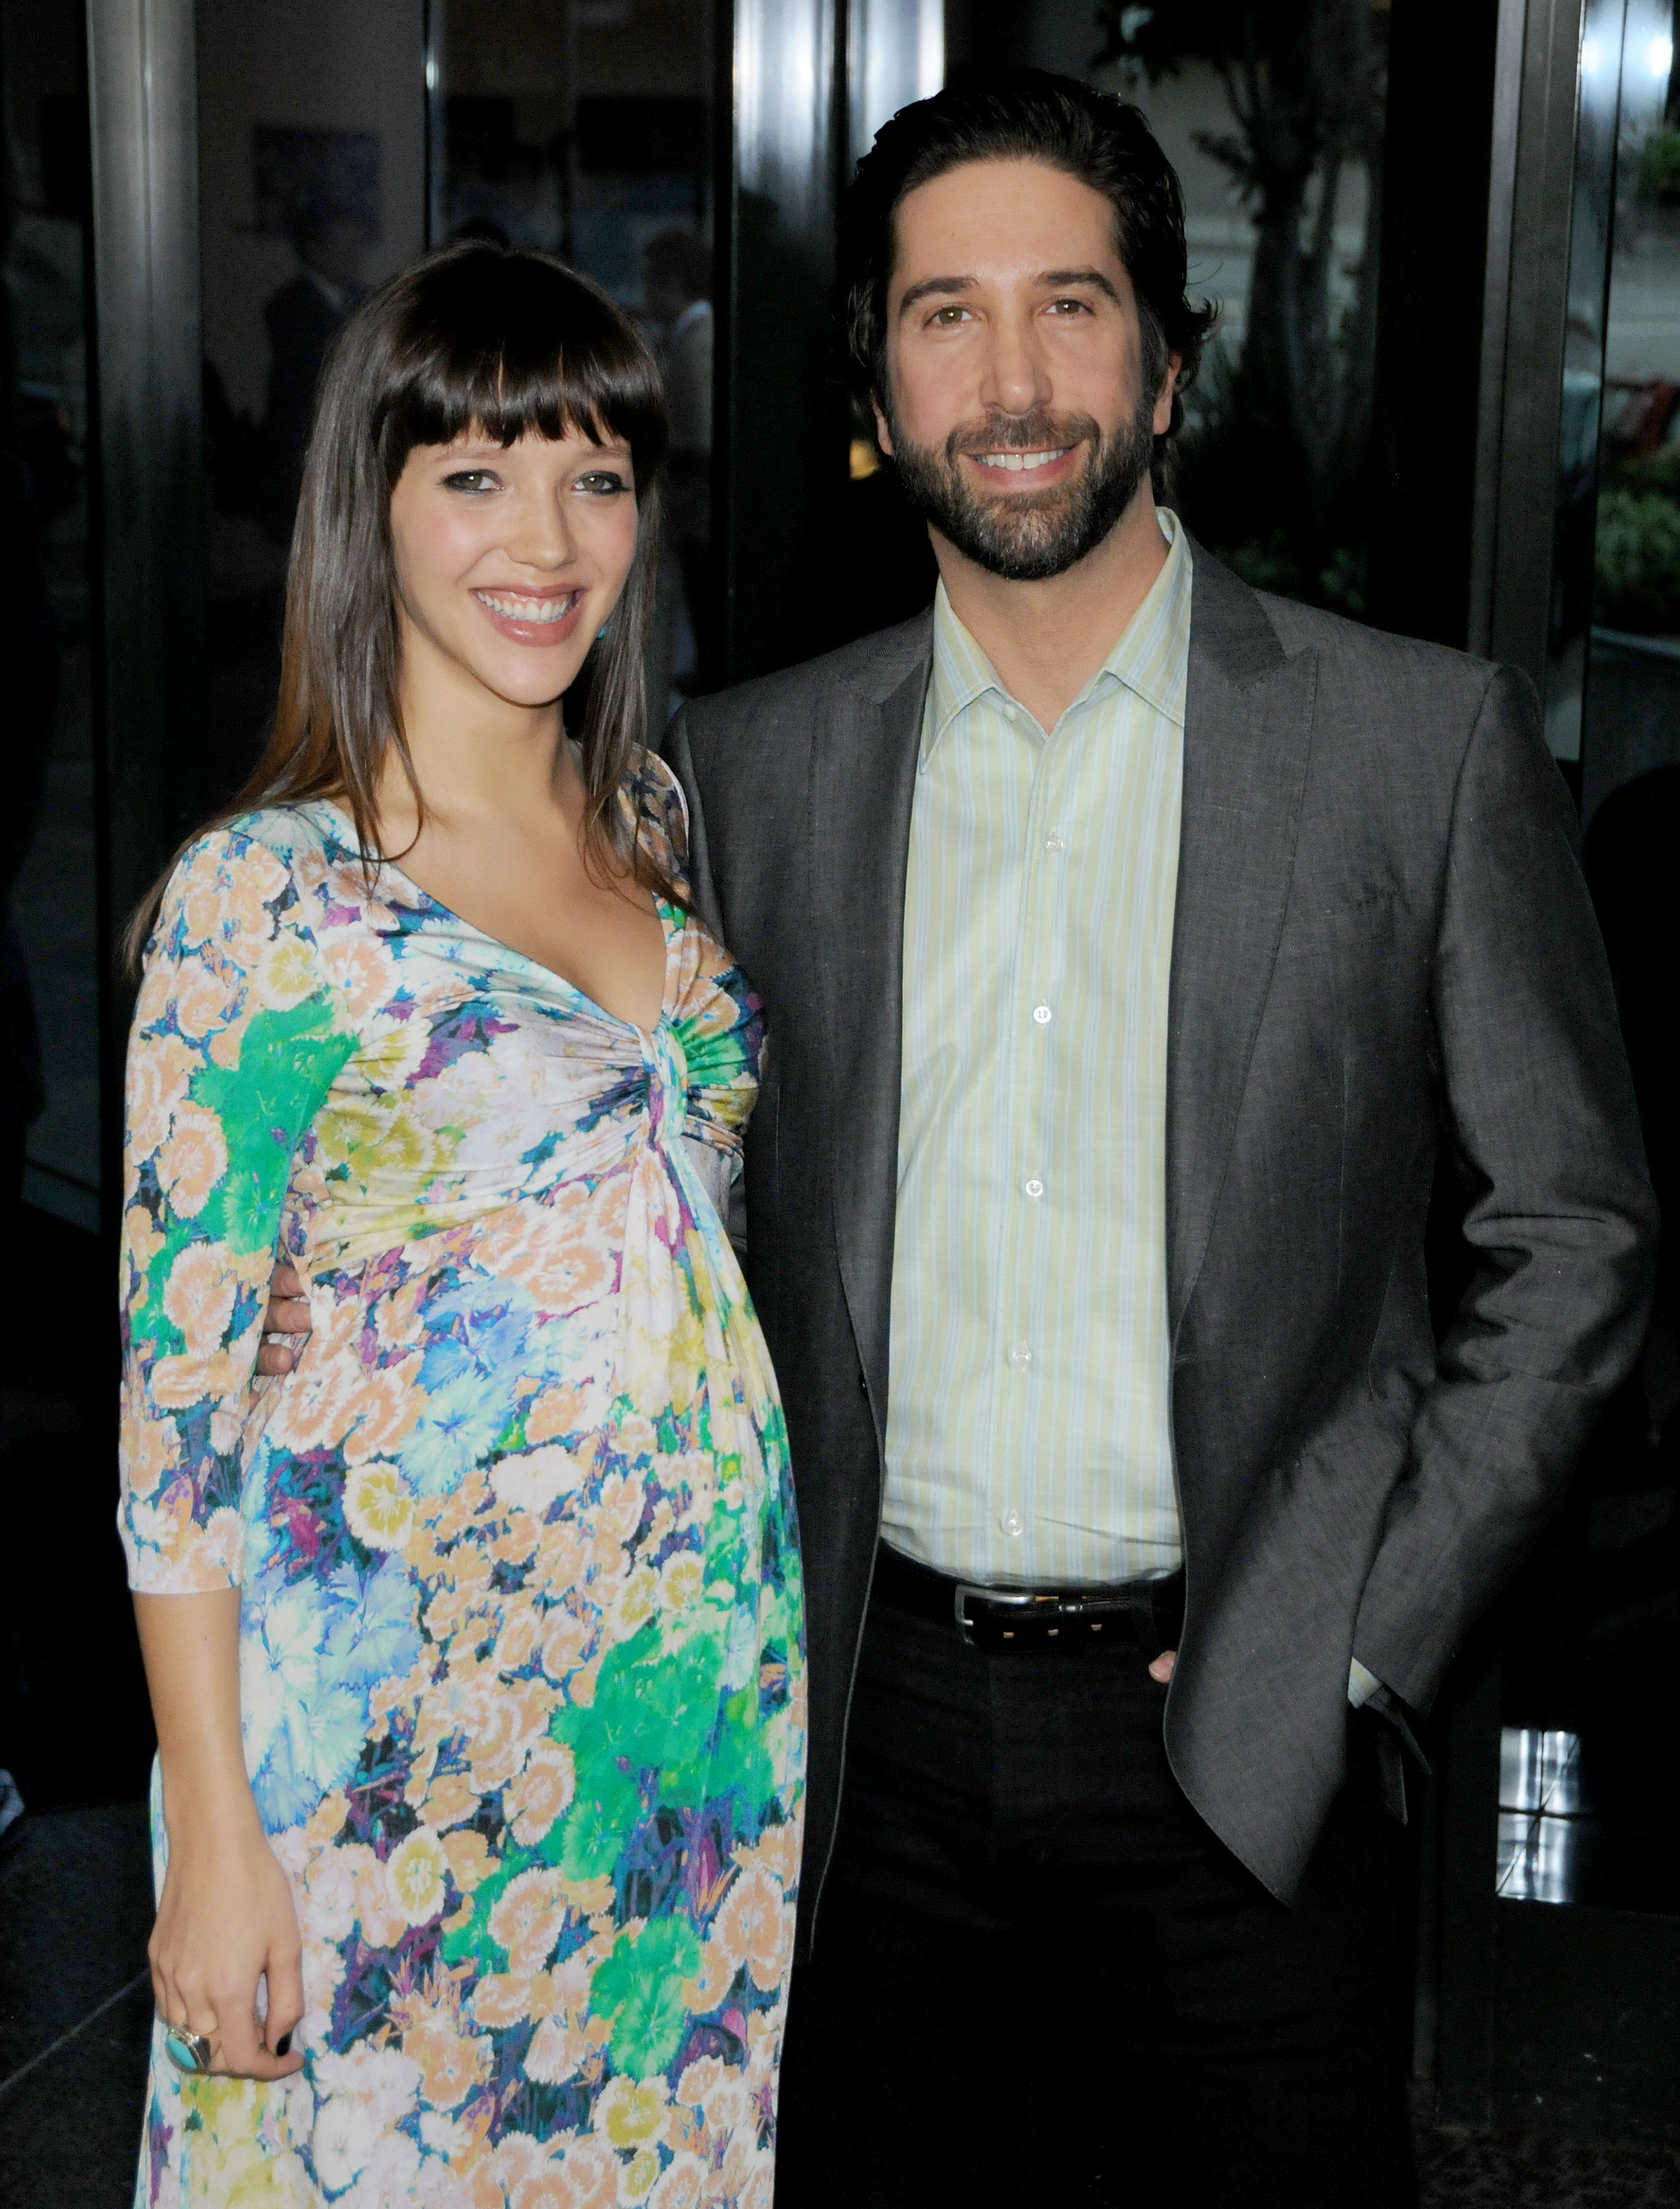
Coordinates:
<point>1125,936</point>
<point>678,280</point>
<point>302,319</point>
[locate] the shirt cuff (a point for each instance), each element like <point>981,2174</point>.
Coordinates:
<point>1362,1684</point>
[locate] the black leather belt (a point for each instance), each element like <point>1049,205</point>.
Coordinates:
<point>1145,1614</point>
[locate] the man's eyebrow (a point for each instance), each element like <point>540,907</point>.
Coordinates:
<point>1051,280</point>
<point>1055,279</point>
<point>935,287</point>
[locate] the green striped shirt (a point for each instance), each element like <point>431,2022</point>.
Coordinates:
<point>1029,1429</point>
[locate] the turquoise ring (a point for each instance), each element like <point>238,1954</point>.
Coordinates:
<point>187,2051</point>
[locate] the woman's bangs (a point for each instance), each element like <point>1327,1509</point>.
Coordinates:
<point>510,345</point>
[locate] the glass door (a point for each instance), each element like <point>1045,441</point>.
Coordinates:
<point>312,188</point>
<point>57,1382</point>
<point>1559,1949</point>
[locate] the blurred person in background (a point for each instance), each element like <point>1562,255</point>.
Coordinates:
<point>677,283</point>
<point>302,319</point>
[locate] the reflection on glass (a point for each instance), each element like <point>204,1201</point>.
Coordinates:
<point>587,134</point>
<point>311,129</point>
<point>1539,1802</point>
<point>49,921</point>
<point>677,285</point>
<point>895,53</point>
<point>1280,152</point>
<point>1608,105</point>
<point>1537,1860</point>
<point>1633,709</point>
<point>1593,1644</point>
<point>784,85</point>
<point>1539,1771</point>
<point>1631,802</point>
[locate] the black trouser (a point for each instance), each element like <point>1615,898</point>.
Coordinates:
<point>1040,1978</point>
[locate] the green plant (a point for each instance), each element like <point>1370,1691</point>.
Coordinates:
<point>1265,563</point>
<point>1637,561</point>
<point>1305,82</point>
<point>1657,471</point>
<point>1659,180</point>
<point>1275,466</point>
<point>1341,582</point>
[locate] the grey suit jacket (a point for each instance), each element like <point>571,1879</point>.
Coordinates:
<point>1381,933</point>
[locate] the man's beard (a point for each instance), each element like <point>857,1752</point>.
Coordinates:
<point>1030,536</point>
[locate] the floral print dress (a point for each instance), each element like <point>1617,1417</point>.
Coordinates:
<point>521,1654</point>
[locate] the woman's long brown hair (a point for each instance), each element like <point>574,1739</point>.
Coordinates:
<point>477,337</point>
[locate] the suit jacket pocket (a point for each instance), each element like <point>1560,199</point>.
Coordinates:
<point>1312,926</point>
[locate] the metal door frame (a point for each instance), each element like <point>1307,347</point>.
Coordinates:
<point>148,474</point>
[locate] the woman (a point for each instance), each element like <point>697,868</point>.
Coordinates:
<point>474,1643</point>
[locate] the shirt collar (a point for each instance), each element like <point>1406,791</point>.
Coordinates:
<point>1149,656</point>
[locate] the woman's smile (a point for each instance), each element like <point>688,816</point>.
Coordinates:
<point>540,618</point>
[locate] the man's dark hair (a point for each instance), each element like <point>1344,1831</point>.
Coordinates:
<point>1028,115</point>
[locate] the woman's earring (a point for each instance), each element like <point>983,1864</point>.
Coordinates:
<point>600,632</point>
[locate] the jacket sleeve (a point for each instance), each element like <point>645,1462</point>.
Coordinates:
<point>1561,1221</point>
<point>676,750</point>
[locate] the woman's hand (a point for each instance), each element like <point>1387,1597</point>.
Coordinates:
<point>288,1313</point>
<point>225,1920</point>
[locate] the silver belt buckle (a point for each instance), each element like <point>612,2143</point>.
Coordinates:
<point>1092,1609</point>
<point>1020,1599</point>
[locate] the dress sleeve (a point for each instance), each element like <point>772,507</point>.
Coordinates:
<point>719,1019</point>
<point>236,1037</point>
<point>661,813</point>
<point>721,1028</point>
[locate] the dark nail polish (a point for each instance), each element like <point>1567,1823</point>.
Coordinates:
<point>283,2045</point>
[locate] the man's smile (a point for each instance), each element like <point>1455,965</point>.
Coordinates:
<point>1015,461</point>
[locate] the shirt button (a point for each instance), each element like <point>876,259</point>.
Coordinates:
<point>1055,843</point>
<point>1041,1014</point>
<point>1034,1187</point>
<point>1020,1357</point>
<point>1013,1525</point>
<point>1009,713</point>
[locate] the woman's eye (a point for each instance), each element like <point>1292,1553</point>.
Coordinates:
<point>473,481</point>
<point>945,317</point>
<point>602,483</point>
<point>1067,306</point>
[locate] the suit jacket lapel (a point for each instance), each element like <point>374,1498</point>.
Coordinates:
<point>864,783</point>
<point>1247,729</point>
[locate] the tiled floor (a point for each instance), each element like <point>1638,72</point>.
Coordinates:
<point>1471,2172</point>
<point>76,2007</point>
